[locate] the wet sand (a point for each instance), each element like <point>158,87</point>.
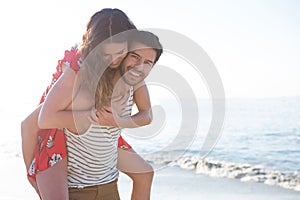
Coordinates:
<point>169,183</point>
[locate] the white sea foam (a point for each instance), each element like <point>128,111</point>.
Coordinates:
<point>242,171</point>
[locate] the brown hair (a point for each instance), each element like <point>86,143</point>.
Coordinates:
<point>106,25</point>
<point>147,38</point>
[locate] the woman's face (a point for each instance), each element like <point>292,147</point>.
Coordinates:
<point>113,53</point>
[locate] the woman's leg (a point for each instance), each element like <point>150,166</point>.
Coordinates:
<point>141,173</point>
<point>53,183</point>
<point>29,133</point>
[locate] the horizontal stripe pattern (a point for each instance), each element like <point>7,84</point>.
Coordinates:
<point>92,156</point>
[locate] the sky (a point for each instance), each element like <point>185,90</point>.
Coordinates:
<point>254,44</point>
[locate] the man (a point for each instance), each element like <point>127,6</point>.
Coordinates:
<point>144,51</point>
<point>92,159</point>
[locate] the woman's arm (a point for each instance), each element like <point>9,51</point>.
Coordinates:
<point>53,113</point>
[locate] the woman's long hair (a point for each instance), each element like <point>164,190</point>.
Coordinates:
<point>107,25</point>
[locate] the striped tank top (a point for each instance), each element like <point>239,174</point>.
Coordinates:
<point>92,156</point>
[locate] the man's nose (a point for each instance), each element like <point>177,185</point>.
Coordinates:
<point>139,66</point>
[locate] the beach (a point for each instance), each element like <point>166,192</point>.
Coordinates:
<point>250,161</point>
<point>250,47</point>
<point>170,182</point>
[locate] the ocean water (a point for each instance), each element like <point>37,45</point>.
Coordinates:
<point>262,131</point>
<point>255,131</point>
<point>260,139</point>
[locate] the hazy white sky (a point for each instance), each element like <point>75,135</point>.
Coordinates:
<point>254,44</point>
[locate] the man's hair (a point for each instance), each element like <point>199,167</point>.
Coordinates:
<point>147,38</point>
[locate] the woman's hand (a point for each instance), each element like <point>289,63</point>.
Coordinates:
<point>103,117</point>
<point>107,118</point>
<point>110,115</point>
<point>93,118</point>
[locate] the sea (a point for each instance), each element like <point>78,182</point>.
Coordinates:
<point>259,139</point>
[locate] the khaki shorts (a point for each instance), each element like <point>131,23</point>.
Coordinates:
<point>107,191</point>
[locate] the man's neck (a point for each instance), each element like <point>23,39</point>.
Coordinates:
<point>119,85</point>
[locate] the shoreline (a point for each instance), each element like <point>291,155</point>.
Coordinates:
<point>170,182</point>
<point>173,182</point>
<point>243,172</point>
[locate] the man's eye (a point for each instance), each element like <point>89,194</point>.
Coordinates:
<point>134,56</point>
<point>148,64</point>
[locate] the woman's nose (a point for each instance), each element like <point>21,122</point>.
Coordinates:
<point>115,59</point>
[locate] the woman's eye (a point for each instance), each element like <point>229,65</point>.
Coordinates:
<point>121,52</point>
<point>106,56</point>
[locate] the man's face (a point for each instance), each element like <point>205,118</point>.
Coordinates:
<point>138,63</point>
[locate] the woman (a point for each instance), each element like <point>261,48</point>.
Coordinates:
<point>101,23</point>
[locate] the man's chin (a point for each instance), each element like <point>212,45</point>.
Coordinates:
<point>132,82</point>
